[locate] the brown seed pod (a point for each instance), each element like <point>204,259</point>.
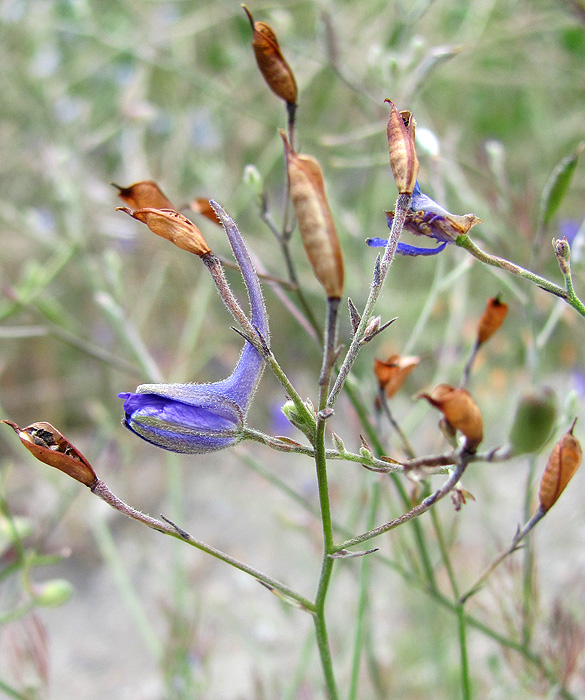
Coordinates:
<point>403,159</point>
<point>562,464</point>
<point>492,318</point>
<point>315,220</point>
<point>272,64</point>
<point>200,205</point>
<point>175,227</point>
<point>392,373</point>
<point>144,194</point>
<point>48,445</point>
<point>460,411</point>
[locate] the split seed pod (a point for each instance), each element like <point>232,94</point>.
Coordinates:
<point>315,220</point>
<point>492,318</point>
<point>175,227</point>
<point>272,64</point>
<point>48,445</point>
<point>403,159</point>
<point>144,194</point>
<point>392,373</point>
<point>460,412</point>
<point>562,464</point>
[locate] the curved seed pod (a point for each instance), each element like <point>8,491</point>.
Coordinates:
<point>143,194</point>
<point>403,159</point>
<point>492,318</point>
<point>460,411</point>
<point>48,445</point>
<point>175,227</point>
<point>272,64</point>
<point>315,221</point>
<point>562,464</point>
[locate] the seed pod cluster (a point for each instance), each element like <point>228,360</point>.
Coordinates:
<point>272,64</point>
<point>492,318</point>
<point>460,412</point>
<point>175,227</point>
<point>561,466</point>
<point>403,159</point>
<point>49,446</point>
<point>315,220</point>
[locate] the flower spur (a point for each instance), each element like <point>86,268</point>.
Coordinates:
<point>199,418</point>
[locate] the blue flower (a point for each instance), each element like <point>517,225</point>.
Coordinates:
<point>198,418</point>
<point>427,218</point>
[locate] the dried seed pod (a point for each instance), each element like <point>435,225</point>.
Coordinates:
<point>48,445</point>
<point>460,411</point>
<point>403,159</point>
<point>315,221</point>
<point>144,194</point>
<point>392,373</point>
<point>200,205</point>
<point>492,318</point>
<point>534,420</point>
<point>562,464</point>
<point>175,227</point>
<point>272,64</point>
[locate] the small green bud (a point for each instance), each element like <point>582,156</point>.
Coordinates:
<point>534,421</point>
<point>53,593</point>
<point>253,179</point>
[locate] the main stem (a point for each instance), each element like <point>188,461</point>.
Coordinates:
<point>321,466</point>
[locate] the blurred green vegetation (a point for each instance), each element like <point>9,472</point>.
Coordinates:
<point>92,304</point>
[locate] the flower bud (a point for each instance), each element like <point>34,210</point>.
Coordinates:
<point>315,221</point>
<point>173,226</point>
<point>562,464</point>
<point>272,64</point>
<point>48,445</point>
<point>460,412</point>
<point>563,254</point>
<point>144,194</point>
<point>392,373</point>
<point>492,318</point>
<point>53,593</point>
<point>403,160</point>
<point>534,421</point>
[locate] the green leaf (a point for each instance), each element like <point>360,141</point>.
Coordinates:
<point>557,184</point>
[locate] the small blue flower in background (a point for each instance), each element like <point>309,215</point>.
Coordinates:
<point>198,418</point>
<point>427,218</point>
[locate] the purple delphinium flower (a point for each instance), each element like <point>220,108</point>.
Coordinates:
<point>198,418</point>
<point>427,218</point>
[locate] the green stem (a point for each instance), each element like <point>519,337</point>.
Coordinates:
<point>362,601</point>
<point>528,563</point>
<point>166,527</point>
<point>460,608</point>
<point>567,295</point>
<point>374,440</point>
<point>415,512</point>
<point>325,506</point>
<point>380,272</point>
<point>519,536</point>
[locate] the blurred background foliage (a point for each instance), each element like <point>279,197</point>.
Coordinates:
<point>94,92</point>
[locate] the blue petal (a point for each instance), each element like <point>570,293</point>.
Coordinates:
<point>377,242</point>
<point>405,249</point>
